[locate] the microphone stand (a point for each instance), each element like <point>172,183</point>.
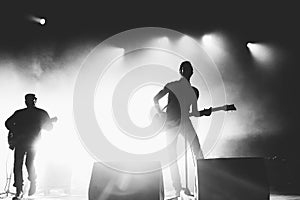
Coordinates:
<point>7,192</point>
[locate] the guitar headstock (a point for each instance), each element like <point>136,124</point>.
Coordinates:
<point>230,107</point>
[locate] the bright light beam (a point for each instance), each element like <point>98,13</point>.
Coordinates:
<point>41,21</point>
<point>262,53</point>
<point>160,42</point>
<point>163,41</point>
<point>215,46</point>
<point>141,102</point>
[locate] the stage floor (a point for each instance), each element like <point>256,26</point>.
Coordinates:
<point>284,197</point>
<point>73,197</point>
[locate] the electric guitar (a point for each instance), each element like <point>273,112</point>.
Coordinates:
<point>160,119</point>
<point>206,112</point>
<point>13,140</point>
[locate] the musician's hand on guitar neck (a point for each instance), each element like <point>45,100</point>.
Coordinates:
<point>206,112</point>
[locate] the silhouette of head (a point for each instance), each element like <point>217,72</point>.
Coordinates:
<point>30,100</point>
<point>186,69</point>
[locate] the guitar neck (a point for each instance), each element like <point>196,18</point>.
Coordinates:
<point>215,109</point>
<point>206,112</point>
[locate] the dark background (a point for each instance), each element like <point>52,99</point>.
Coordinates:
<point>71,21</point>
<point>258,21</point>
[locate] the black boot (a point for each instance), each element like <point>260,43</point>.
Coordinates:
<point>19,194</point>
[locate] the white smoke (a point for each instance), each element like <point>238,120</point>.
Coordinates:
<point>52,79</point>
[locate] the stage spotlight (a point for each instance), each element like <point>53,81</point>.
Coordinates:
<point>186,44</point>
<point>41,21</point>
<point>207,40</point>
<point>249,45</point>
<point>215,45</point>
<point>262,53</point>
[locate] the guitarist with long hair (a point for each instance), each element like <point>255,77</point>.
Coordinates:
<point>181,97</point>
<point>24,128</point>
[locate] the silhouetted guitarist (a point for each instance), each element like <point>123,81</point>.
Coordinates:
<point>181,98</point>
<point>25,126</point>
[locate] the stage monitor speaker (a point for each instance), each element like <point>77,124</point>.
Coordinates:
<point>232,179</point>
<point>278,175</point>
<point>111,184</point>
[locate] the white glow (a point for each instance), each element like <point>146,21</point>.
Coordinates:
<point>215,46</point>
<point>185,43</point>
<point>42,21</point>
<point>138,100</point>
<point>163,41</point>
<point>159,42</point>
<point>207,39</point>
<point>262,53</point>
<point>61,147</point>
<point>141,103</point>
<point>141,100</point>
<point>249,45</point>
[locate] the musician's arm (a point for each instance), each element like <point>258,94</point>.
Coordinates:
<point>47,123</point>
<point>195,111</point>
